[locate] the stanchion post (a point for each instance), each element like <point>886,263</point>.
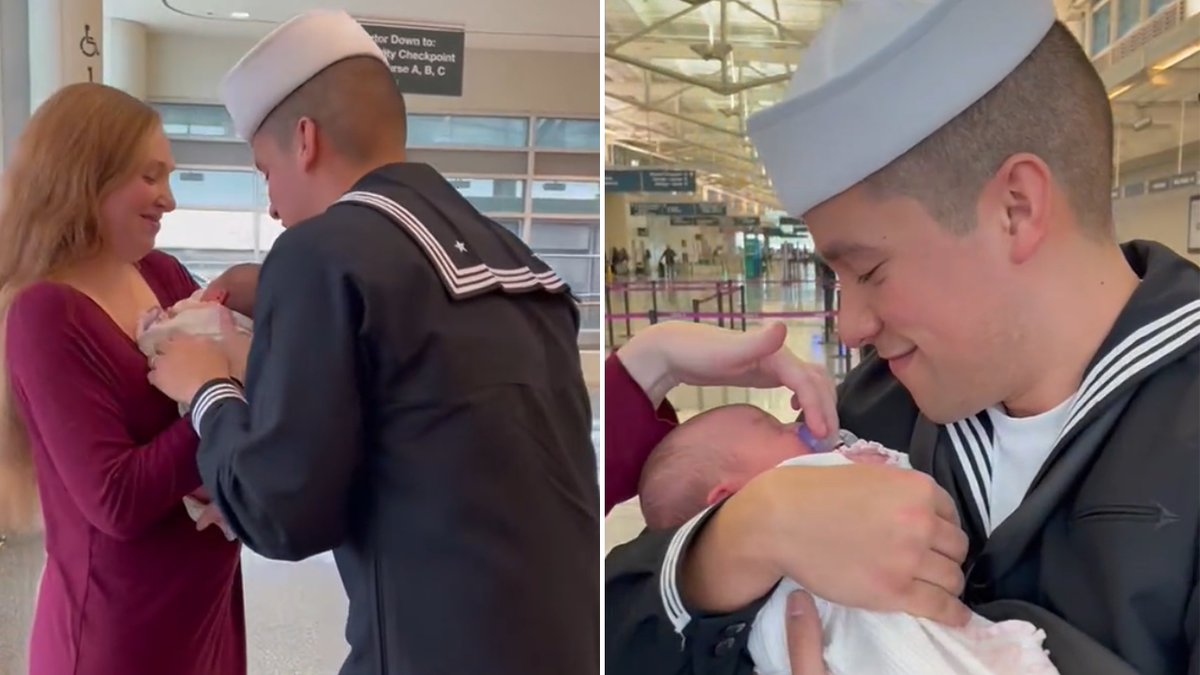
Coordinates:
<point>695,311</point>
<point>742,296</point>
<point>721,307</point>
<point>628,326</point>
<point>654,300</point>
<point>612,343</point>
<point>828,293</point>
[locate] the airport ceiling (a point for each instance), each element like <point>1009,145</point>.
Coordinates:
<point>681,76</point>
<point>541,25</point>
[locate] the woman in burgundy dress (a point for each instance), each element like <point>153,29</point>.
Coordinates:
<point>130,586</point>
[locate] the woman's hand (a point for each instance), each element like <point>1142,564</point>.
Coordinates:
<point>669,354</point>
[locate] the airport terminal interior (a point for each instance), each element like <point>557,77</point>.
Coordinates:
<point>691,227</point>
<point>515,125</point>
<point>692,230</point>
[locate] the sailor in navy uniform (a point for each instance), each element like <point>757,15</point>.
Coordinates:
<point>414,399</point>
<point>952,159</point>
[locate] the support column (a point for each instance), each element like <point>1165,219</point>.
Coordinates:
<point>64,45</point>
<point>14,73</point>
<point>125,56</point>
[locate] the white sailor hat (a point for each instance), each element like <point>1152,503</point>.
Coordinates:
<point>287,58</point>
<point>880,77</point>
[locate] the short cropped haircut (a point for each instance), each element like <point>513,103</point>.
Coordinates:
<point>355,104</point>
<point>1054,105</point>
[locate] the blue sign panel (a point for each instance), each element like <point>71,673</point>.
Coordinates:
<point>696,220</point>
<point>622,181</point>
<point>682,209</point>
<point>649,180</point>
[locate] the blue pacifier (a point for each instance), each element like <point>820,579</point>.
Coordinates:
<point>817,444</point>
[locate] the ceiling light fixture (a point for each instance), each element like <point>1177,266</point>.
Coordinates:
<point>1177,58</point>
<point>1119,90</point>
<point>240,15</point>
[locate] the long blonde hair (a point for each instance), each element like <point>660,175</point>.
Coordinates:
<point>81,144</point>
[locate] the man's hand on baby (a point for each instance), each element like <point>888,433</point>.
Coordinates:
<point>865,536</point>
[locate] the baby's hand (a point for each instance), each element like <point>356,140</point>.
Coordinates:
<point>148,319</point>
<point>201,495</point>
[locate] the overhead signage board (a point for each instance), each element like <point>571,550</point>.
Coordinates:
<point>649,180</point>
<point>680,209</point>
<point>715,221</point>
<point>718,221</point>
<point>423,60</point>
<point>1178,181</point>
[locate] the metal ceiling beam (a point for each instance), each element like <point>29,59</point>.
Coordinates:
<point>633,102</point>
<point>690,142</point>
<point>693,5</point>
<point>716,87</point>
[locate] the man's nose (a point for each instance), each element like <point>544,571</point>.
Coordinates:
<point>274,213</point>
<point>857,323</point>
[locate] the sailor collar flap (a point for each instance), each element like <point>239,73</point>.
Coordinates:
<point>472,254</point>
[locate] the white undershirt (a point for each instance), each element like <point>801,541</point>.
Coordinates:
<point>1021,446</point>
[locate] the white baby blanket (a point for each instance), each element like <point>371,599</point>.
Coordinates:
<point>189,317</point>
<point>860,642</point>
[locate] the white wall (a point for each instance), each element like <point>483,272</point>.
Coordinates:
<point>188,69</point>
<point>1161,217</point>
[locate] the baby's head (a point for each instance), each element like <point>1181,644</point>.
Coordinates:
<point>236,288</point>
<point>710,457</point>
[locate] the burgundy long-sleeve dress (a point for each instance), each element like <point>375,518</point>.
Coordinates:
<point>632,427</point>
<point>130,587</point>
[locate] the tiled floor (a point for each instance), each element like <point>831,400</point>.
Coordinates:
<point>296,612</point>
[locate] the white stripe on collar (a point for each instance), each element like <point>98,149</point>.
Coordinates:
<point>973,445</point>
<point>1143,348</point>
<point>460,281</point>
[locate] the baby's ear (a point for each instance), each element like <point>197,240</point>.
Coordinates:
<point>214,294</point>
<point>720,492</point>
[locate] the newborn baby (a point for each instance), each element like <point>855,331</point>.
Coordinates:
<point>201,315</point>
<point>717,452</point>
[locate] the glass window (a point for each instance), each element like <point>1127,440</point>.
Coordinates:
<point>1100,28</point>
<point>583,273</point>
<point>1129,15</point>
<point>208,230</point>
<point>572,248</point>
<point>511,224</point>
<point>565,236</point>
<point>196,121</point>
<point>215,189</point>
<point>566,197</point>
<point>492,195</point>
<point>467,131</point>
<point>1157,6</point>
<point>568,134</point>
